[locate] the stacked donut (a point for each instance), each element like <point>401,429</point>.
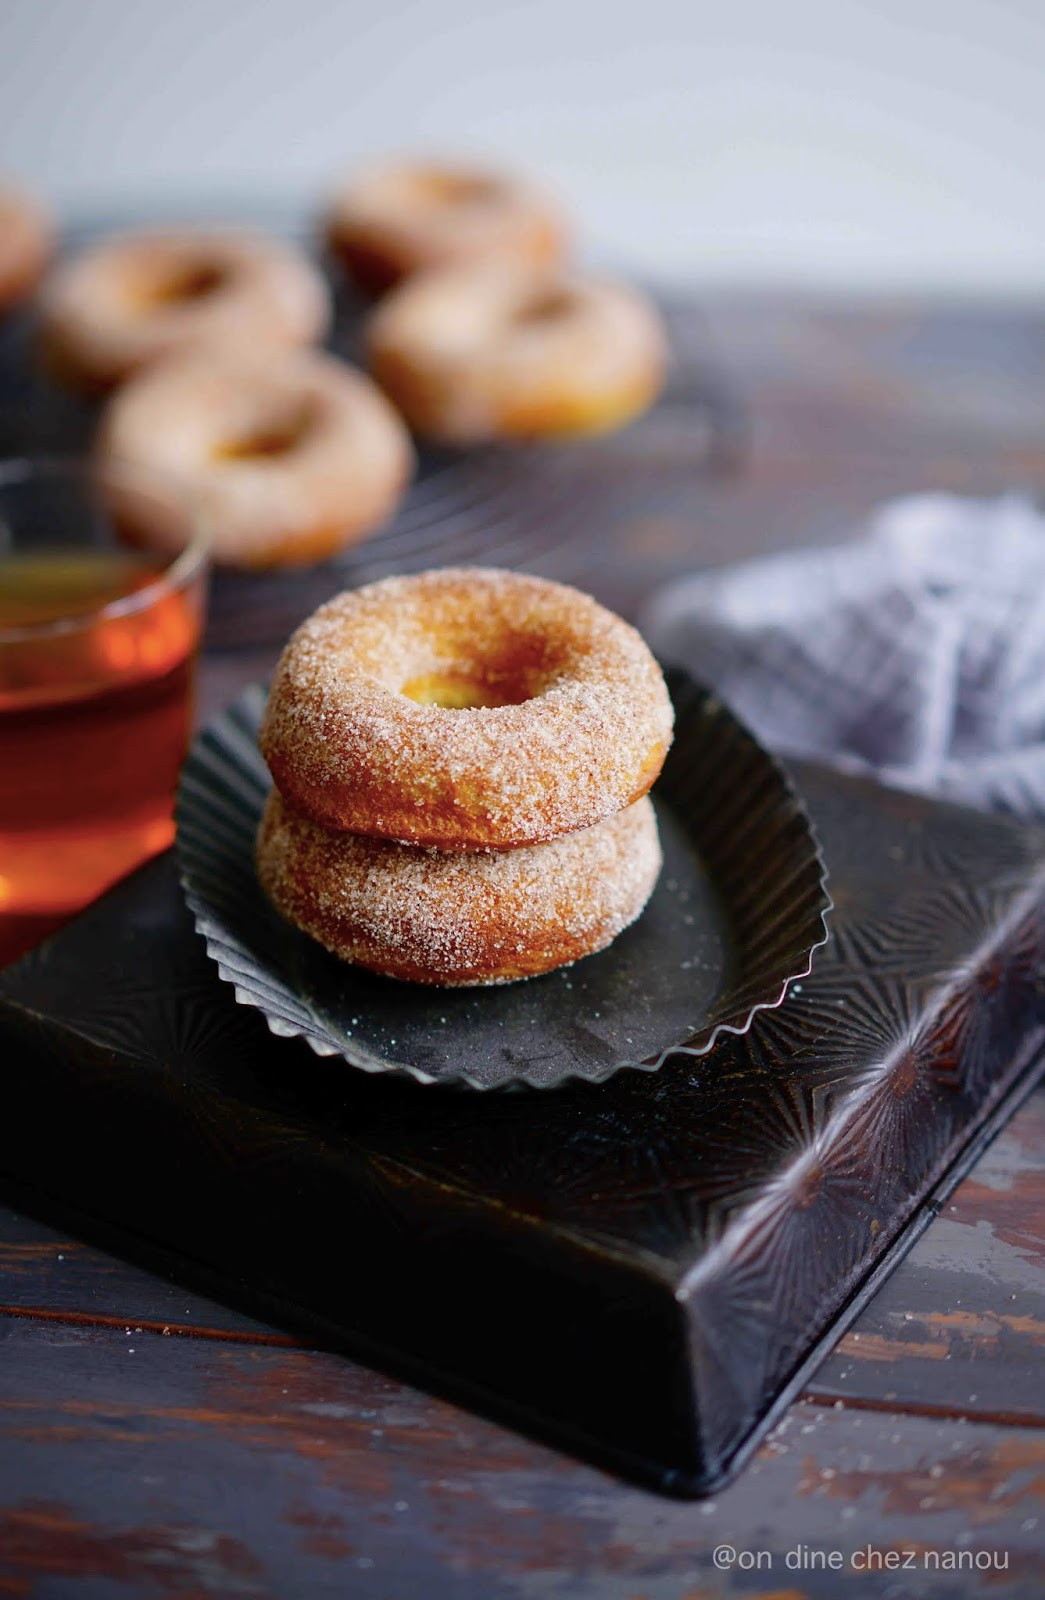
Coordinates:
<point>461,763</point>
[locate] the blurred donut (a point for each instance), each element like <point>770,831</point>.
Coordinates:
<point>399,218</point>
<point>286,458</point>
<point>476,353</point>
<point>128,301</point>
<point>25,244</point>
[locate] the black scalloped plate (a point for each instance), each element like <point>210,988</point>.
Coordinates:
<point>739,910</point>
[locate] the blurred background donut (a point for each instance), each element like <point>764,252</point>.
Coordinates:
<point>392,220</point>
<point>136,297</point>
<point>484,352</point>
<point>288,458</point>
<point>25,244</point>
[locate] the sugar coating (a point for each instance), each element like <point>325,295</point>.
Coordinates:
<point>453,918</point>
<point>587,735</point>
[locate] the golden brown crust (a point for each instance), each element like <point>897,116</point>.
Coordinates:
<point>398,219</point>
<point>447,918</point>
<point>25,244</point>
<point>473,353</point>
<point>582,728</point>
<point>135,298</point>
<point>287,457</point>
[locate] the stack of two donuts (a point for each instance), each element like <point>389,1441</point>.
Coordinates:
<point>461,763</point>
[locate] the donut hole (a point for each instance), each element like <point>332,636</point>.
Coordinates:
<point>547,306</point>
<point>459,691</point>
<point>269,441</point>
<point>187,282</point>
<point>478,661</point>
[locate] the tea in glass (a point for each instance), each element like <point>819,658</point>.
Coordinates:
<point>97,647</point>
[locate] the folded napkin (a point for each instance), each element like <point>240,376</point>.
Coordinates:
<point>916,653</point>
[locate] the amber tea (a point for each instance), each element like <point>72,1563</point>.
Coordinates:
<point>97,645</point>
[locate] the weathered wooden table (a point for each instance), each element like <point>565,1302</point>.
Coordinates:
<point>154,1443</point>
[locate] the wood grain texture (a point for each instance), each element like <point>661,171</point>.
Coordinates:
<point>219,1470</point>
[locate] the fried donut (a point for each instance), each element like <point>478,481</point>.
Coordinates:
<point>287,458</point>
<point>466,709</point>
<point>397,219</point>
<point>25,244</point>
<point>469,354</point>
<point>444,917</point>
<point>136,297</point>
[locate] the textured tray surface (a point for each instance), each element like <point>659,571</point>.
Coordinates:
<point>643,1269</point>
<point>737,914</point>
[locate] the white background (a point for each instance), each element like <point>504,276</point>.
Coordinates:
<point>819,141</point>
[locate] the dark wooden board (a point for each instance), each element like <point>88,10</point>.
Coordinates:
<point>48,1272</point>
<point>146,1465</point>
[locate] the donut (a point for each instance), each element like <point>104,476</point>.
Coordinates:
<point>465,709</point>
<point>136,297</point>
<point>397,219</point>
<point>25,244</point>
<point>477,353</point>
<point>444,917</point>
<point>287,457</point>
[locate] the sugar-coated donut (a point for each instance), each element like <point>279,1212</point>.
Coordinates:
<point>25,244</point>
<point>135,297</point>
<point>446,917</point>
<point>287,458</point>
<point>398,218</point>
<point>476,353</point>
<point>466,709</point>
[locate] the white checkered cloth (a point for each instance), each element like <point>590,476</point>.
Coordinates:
<point>916,653</point>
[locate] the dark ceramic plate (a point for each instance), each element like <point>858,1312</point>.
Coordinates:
<point>736,916</point>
